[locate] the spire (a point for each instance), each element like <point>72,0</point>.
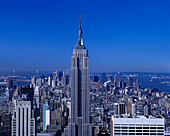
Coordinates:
<point>80,22</point>
<point>80,44</point>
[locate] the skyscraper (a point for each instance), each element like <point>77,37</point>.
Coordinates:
<point>117,79</point>
<point>95,78</point>
<point>119,108</point>
<point>37,96</point>
<point>80,75</point>
<point>33,81</point>
<point>46,116</point>
<point>103,77</point>
<point>137,84</point>
<point>50,80</point>
<point>130,81</point>
<point>9,83</point>
<point>145,110</point>
<point>23,120</point>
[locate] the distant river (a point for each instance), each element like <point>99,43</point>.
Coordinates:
<point>155,83</point>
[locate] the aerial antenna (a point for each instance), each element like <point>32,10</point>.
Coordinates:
<point>80,21</point>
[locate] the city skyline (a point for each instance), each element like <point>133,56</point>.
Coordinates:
<point>123,38</point>
<point>106,73</point>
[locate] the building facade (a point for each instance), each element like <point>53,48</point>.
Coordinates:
<point>46,116</point>
<point>120,108</point>
<point>140,125</point>
<point>80,76</point>
<point>23,120</point>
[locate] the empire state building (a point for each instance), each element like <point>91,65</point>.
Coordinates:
<point>80,100</point>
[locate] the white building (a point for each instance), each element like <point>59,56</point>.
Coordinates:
<point>37,96</point>
<point>140,125</point>
<point>33,81</point>
<point>54,83</point>
<point>145,109</point>
<point>39,82</point>
<point>47,118</point>
<point>23,121</point>
<point>133,109</point>
<point>50,80</point>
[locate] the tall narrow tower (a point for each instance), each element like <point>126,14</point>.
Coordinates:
<point>80,101</point>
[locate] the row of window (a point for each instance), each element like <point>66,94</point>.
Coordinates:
<point>138,131</point>
<point>138,127</point>
<point>139,124</point>
<point>139,134</point>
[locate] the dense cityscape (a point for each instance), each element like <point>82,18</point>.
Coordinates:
<point>75,102</point>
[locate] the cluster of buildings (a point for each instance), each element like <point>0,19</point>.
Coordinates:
<point>121,100</point>
<point>38,108</point>
<point>73,103</point>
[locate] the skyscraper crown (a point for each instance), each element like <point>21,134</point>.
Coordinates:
<point>80,44</point>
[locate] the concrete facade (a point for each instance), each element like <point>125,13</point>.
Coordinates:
<point>80,101</point>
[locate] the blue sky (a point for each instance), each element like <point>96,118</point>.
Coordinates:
<point>121,35</point>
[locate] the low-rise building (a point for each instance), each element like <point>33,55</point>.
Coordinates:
<point>137,125</point>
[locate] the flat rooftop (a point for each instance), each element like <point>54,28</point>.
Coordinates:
<point>139,116</point>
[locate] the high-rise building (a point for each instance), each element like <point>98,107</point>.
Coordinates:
<point>65,80</point>
<point>37,96</point>
<point>130,81</point>
<point>137,84</point>
<point>131,108</point>
<point>39,82</point>
<point>55,75</point>
<point>116,108</point>
<point>120,108</point>
<point>42,79</point>
<point>137,125</point>
<point>9,83</point>
<point>103,77</point>
<point>95,78</point>
<point>67,72</point>
<point>145,110</point>
<point>117,79</point>
<point>23,120</point>
<point>54,83</point>
<point>33,81</point>
<point>50,80</point>
<point>80,77</point>
<point>60,74</point>
<point>5,121</point>
<point>46,116</point>
<point>28,92</point>
<point>110,78</point>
